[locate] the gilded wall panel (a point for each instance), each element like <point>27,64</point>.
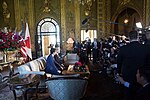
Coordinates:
<point>146,12</point>
<point>92,17</point>
<point>54,6</point>
<point>70,19</point>
<point>10,8</point>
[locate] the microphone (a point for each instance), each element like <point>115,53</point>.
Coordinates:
<point>86,30</point>
<point>85,21</point>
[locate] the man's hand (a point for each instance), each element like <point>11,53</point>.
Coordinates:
<point>120,79</point>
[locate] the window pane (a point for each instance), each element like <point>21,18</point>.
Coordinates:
<point>54,22</point>
<point>41,22</point>
<point>48,27</point>
<point>47,19</point>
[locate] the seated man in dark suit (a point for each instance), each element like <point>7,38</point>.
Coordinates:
<point>143,77</point>
<point>51,63</point>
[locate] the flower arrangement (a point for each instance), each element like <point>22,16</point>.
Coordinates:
<point>79,67</point>
<point>78,64</point>
<point>10,41</point>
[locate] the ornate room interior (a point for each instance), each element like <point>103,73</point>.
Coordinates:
<point>63,23</point>
<point>63,19</point>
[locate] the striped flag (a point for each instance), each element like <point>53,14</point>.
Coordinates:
<point>26,50</point>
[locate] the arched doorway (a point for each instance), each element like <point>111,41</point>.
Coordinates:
<point>47,33</point>
<point>126,21</point>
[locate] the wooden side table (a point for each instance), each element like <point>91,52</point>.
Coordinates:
<point>4,64</point>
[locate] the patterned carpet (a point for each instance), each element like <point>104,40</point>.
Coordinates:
<point>6,94</point>
<point>102,87</point>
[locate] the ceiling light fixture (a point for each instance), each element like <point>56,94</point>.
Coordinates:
<point>126,17</point>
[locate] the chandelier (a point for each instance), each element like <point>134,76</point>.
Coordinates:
<point>88,4</point>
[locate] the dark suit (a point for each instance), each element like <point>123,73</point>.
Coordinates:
<point>88,48</point>
<point>50,66</point>
<point>130,58</point>
<point>143,93</point>
<point>76,46</point>
<point>147,42</point>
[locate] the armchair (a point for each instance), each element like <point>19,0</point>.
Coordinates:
<point>67,88</point>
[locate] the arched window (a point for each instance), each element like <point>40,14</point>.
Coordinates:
<point>47,33</point>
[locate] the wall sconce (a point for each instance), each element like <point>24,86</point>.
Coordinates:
<point>87,12</point>
<point>46,6</point>
<point>87,3</point>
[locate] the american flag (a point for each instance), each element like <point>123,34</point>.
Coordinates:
<point>26,50</point>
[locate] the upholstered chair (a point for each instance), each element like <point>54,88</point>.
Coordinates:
<point>67,88</point>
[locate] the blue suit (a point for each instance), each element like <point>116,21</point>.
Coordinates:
<point>50,66</point>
